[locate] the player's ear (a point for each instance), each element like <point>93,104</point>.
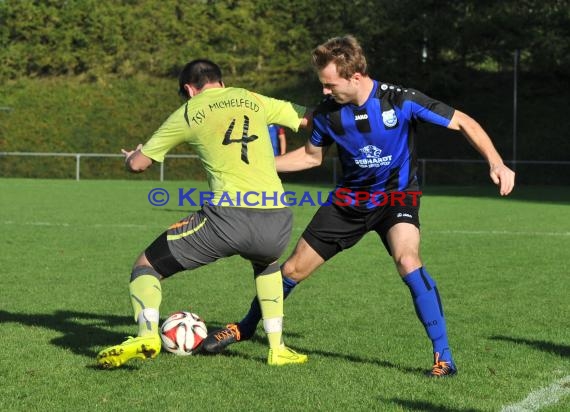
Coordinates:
<point>189,90</point>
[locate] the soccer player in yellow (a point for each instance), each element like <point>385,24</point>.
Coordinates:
<point>227,127</point>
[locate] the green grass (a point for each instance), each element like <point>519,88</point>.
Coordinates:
<point>66,249</point>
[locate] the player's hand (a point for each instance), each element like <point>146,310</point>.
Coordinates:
<point>503,177</point>
<point>130,153</point>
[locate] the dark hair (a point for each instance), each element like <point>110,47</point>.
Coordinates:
<point>345,52</point>
<point>198,73</point>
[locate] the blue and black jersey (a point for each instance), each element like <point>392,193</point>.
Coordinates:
<point>376,141</point>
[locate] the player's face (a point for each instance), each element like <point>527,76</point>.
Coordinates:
<point>342,90</point>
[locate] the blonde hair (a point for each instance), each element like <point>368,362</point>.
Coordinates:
<point>345,52</point>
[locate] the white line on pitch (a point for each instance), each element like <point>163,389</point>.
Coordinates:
<point>497,232</point>
<point>144,226</point>
<point>64,224</point>
<point>117,225</point>
<point>542,397</point>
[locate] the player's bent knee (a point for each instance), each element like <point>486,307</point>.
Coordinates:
<point>292,271</point>
<point>287,268</point>
<point>141,261</point>
<point>144,270</point>
<point>260,270</point>
<point>407,263</point>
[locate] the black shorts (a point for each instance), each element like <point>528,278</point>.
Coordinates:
<point>335,227</point>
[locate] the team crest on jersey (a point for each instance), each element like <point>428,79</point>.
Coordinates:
<point>389,118</point>
<point>370,151</point>
<point>371,156</point>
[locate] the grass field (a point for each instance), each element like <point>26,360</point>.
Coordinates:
<point>66,249</point>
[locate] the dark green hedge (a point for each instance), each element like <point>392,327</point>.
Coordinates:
<point>265,40</point>
<point>99,75</point>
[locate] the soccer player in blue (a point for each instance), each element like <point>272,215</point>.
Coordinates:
<point>373,125</point>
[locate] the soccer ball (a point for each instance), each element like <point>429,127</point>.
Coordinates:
<point>182,333</point>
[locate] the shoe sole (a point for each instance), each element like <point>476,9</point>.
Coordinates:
<point>215,347</point>
<point>447,375</point>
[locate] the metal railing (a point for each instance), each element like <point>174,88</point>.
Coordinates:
<point>512,163</point>
<point>78,157</point>
<point>422,162</point>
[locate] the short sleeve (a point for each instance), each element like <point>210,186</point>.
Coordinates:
<point>169,135</point>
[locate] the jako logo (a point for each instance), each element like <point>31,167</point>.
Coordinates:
<point>361,116</point>
<point>430,323</point>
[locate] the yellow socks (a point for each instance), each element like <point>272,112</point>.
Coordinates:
<point>146,295</point>
<point>270,295</point>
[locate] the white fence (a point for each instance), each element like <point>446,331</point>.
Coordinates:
<point>79,156</point>
<point>422,162</point>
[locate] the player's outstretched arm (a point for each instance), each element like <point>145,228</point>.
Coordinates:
<point>500,174</point>
<point>135,161</point>
<point>303,158</point>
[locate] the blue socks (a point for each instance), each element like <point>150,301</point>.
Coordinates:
<point>249,323</point>
<point>426,302</point>
<point>429,310</point>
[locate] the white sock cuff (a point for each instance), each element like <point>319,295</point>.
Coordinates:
<point>149,315</point>
<point>273,325</point>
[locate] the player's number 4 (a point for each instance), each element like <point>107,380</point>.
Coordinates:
<point>245,139</point>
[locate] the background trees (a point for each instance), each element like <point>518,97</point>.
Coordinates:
<point>264,39</point>
<point>92,75</point>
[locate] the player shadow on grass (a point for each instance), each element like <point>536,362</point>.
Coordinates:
<point>260,339</point>
<point>560,350</point>
<point>426,406</point>
<point>81,331</point>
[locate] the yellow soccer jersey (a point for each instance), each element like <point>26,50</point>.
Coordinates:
<point>227,127</point>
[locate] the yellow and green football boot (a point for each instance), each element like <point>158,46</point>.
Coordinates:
<point>142,347</point>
